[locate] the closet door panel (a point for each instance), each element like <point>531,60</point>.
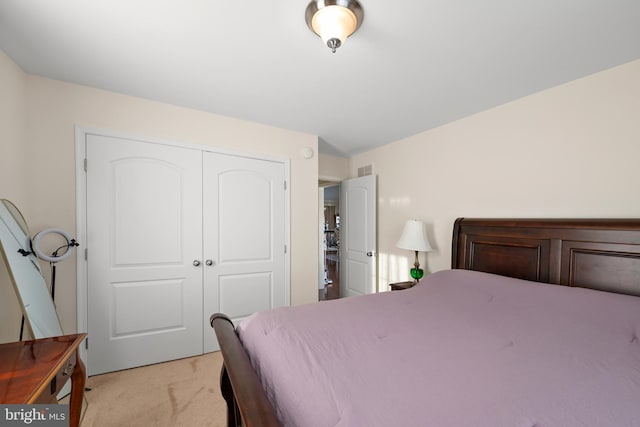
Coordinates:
<point>244,231</point>
<point>144,222</point>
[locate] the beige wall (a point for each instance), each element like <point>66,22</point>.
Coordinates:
<point>332,168</point>
<point>570,151</point>
<point>54,107</point>
<point>12,184</point>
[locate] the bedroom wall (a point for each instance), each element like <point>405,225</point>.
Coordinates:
<point>570,151</point>
<point>54,107</point>
<point>12,162</point>
<point>332,168</point>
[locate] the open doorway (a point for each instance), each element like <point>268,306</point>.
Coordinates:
<point>329,287</point>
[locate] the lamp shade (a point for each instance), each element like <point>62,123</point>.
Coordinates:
<point>414,237</point>
<point>334,22</point>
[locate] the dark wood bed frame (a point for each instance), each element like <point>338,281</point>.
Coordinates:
<point>602,254</point>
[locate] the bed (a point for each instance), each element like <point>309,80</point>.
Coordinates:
<point>492,342</point>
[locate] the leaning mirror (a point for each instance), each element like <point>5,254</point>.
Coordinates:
<point>31,289</point>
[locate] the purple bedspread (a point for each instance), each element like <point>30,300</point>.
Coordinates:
<point>461,348</point>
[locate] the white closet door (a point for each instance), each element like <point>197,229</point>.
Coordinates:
<point>144,222</point>
<point>244,237</point>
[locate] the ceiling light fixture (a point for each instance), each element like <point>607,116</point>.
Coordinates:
<point>334,20</point>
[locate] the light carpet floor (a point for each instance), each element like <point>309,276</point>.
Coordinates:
<point>182,392</point>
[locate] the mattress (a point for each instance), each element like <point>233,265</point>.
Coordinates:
<point>461,348</point>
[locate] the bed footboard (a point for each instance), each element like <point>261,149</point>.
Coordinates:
<point>247,404</point>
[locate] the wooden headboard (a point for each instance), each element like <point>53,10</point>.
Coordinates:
<point>601,254</point>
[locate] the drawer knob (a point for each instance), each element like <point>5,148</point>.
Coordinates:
<point>68,369</point>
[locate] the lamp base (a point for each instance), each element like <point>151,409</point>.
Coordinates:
<point>416,273</point>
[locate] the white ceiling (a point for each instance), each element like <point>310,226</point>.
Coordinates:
<point>413,64</point>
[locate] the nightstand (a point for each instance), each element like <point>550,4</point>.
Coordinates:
<point>401,285</point>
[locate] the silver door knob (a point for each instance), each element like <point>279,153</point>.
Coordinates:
<point>369,253</point>
<point>196,263</point>
<point>209,262</point>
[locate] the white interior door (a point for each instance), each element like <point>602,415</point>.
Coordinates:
<point>144,231</point>
<point>244,238</point>
<point>358,236</point>
<point>322,263</point>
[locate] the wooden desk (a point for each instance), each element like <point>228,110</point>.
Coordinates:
<point>35,371</point>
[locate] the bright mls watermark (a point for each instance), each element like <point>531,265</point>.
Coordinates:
<point>34,415</point>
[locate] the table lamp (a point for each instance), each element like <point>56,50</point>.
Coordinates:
<point>414,238</point>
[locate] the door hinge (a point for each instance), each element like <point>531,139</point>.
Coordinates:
<point>85,164</point>
<point>86,254</point>
<point>285,249</point>
<point>86,343</point>
<point>285,185</point>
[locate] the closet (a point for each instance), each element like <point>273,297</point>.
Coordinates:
<point>175,234</point>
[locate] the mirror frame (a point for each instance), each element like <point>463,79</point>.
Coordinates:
<point>24,270</point>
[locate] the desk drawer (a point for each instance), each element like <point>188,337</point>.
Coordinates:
<point>62,376</point>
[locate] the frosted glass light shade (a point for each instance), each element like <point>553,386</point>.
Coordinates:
<point>334,22</point>
<point>414,237</point>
